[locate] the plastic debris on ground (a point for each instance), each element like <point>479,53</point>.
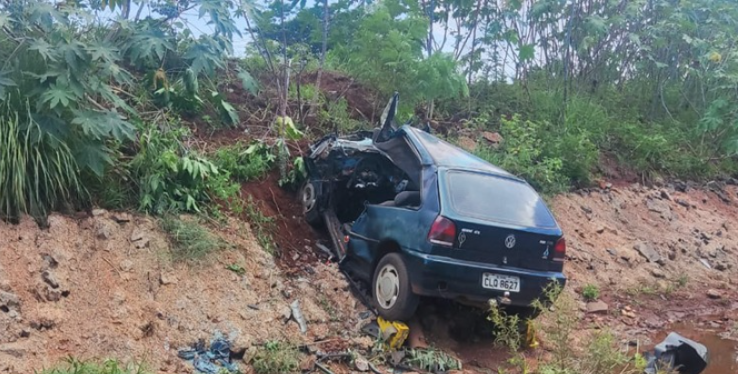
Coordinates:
<point>392,333</point>
<point>211,359</point>
<point>679,354</point>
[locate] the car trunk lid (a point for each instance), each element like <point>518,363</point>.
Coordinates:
<point>500,220</point>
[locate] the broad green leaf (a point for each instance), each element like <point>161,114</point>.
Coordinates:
<point>230,111</point>
<point>527,52</point>
<point>93,156</point>
<point>102,51</point>
<point>249,83</point>
<point>44,49</point>
<point>149,45</point>
<point>56,95</point>
<point>101,125</point>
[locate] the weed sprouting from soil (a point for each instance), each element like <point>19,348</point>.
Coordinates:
<point>276,358</point>
<point>190,240</point>
<point>432,360</point>
<point>506,327</point>
<point>591,292</point>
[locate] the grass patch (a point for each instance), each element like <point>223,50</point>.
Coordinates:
<point>683,280</point>
<point>74,366</point>
<point>190,240</point>
<point>262,226</point>
<point>591,292</point>
<point>276,358</point>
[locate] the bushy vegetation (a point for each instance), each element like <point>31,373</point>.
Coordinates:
<point>88,104</point>
<point>100,112</point>
<point>244,162</point>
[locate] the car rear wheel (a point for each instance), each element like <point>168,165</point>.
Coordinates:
<point>309,199</point>
<point>391,289</point>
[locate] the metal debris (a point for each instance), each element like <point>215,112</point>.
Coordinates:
<point>297,315</point>
<point>677,353</point>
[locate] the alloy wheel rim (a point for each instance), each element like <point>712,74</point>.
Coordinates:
<point>308,197</point>
<point>387,287</point>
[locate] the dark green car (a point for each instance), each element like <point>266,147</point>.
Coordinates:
<point>412,215</point>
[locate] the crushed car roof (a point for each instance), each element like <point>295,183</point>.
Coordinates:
<point>443,154</point>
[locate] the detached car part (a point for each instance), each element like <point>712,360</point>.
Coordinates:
<point>677,354</point>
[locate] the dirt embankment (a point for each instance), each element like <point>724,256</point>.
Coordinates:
<point>105,286</point>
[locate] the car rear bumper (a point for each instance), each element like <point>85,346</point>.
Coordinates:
<point>460,280</point>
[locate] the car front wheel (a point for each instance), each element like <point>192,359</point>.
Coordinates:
<point>309,199</point>
<point>391,289</point>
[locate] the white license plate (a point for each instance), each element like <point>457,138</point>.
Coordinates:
<point>501,282</point>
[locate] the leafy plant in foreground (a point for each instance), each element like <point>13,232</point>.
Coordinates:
<point>169,179</point>
<point>37,172</point>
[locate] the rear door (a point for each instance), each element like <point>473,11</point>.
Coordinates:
<point>499,221</point>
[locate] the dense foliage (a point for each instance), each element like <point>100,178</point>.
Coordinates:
<point>100,98</point>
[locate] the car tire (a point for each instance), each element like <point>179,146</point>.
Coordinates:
<point>309,199</point>
<point>391,290</point>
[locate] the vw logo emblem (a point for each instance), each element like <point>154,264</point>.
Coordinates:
<point>462,239</point>
<point>510,241</point>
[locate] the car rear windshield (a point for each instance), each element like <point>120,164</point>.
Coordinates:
<point>498,199</point>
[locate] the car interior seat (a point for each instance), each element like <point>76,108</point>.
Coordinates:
<point>404,198</point>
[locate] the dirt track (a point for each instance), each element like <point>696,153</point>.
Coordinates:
<point>86,288</point>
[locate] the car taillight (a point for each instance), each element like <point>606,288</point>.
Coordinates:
<point>442,232</point>
<point>560,250</point>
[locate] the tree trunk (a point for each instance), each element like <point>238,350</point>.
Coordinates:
<point>323,49</point>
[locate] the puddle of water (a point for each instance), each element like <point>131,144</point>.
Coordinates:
<point>723,353</point>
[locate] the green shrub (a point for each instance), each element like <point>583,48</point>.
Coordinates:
<point>276,358</point>
<point>190,240</point>
<point>37,171</point>
<point>74,366</point>
<point>336,115</point>
<point>590,292</point>
<point>522,154</point>
<point>169,179</point>
<point>244,163</point>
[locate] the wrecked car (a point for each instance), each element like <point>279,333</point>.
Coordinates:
<point>411,215</point>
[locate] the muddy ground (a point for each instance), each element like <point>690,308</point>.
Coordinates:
<point>105,285</point>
